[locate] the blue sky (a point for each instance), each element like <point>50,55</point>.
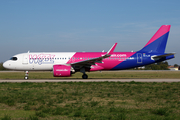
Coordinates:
<point>82,25</point>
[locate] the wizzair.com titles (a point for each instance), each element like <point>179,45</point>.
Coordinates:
<point>118,55</point>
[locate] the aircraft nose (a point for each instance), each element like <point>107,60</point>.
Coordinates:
<point>6,65</point>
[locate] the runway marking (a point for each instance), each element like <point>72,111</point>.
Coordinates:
<point>91,80</point>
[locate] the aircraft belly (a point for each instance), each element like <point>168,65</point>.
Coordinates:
<point>42,67</point>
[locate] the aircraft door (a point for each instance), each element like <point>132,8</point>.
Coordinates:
<point>139,57</point>
<point>25,59</point>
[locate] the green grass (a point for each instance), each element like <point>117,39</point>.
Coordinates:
<point>92,100</point>
<point>135,74</point>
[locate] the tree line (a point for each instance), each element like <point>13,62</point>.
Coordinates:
<point>157,66</point>
<point>1,66</point>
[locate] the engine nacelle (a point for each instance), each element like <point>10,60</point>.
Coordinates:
<point>61,71</point>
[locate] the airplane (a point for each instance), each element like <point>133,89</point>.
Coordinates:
<point>64,64</point>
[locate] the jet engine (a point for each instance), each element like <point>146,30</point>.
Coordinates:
<point>61,71</point>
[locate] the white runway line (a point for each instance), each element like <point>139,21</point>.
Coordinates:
<point>91,80</point>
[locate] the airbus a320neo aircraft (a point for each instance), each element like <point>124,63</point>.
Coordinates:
<point>64,64</point>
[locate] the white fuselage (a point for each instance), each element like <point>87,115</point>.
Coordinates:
<point>38,61</point>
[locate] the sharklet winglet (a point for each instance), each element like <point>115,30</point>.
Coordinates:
<point>112,49</point>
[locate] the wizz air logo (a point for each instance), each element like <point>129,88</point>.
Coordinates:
<point>41,58</point>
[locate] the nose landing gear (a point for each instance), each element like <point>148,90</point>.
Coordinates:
<point>26,75</point>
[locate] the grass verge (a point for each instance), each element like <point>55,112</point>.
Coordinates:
<point>93,100</point>
<point>135,74</point>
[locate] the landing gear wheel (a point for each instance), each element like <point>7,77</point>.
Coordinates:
<point>84,76</point>
<point>26,75</point>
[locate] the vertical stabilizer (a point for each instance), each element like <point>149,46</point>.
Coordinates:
<point>158,42</point>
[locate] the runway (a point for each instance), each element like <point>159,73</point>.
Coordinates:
<point>91,80</point>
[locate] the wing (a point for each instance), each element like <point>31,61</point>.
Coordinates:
<point>92,61</point>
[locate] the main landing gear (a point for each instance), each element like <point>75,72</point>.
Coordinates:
<point>26,75</point>
<point>84,76</point>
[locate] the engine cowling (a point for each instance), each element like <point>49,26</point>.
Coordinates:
<point>61,71</point>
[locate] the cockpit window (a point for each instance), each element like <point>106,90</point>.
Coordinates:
<point>13,58</point>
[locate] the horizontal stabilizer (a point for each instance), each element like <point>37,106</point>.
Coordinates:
<point>165,55</point>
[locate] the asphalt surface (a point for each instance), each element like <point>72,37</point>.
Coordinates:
<point>92,80</point>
